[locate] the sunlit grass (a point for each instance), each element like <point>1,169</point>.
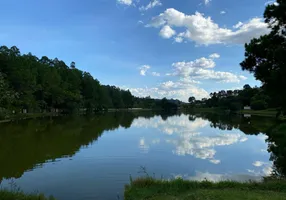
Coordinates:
<point>150,188</point>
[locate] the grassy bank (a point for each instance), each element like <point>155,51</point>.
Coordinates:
<point>26,116</point>
<point>265,113</point>
<point>19,195</point>
<point>149,188</point>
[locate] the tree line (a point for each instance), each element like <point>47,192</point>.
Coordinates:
<point>254,97</point>
<point>44,84</point>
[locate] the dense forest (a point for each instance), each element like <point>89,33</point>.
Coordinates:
<point>254,97</point>
<point>44,85</point>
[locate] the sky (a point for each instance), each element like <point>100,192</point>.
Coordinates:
<point>158,48</point>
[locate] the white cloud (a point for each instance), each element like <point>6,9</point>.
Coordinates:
<point>215,161</point>
<point>178,39</point>
<point>244,139</point>
<point>238,25</point>
<point>152,4</point>
<point>180,125</point>
<point>258,163</point>
<point>167,32</point>
<point>201,176</point>
<point>186,138</point>
<point>201,69</point>
<point>203,146</point>
<point>243,78</point>
<point>155,74</point>
<point>185,79</point>
<point>179,90</point>
<point>143,69</point>
<point>203,30</point>
<point>222,12</point>
<point>207,2</point>
<point>125,2</point>
<point>140,22</point>
<point>271,2</point>
<point>262,168</point>
<point>267,170</point>
<point>214,55</point>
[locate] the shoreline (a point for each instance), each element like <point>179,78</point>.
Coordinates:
<point>28,116</point>
<point>150,188</point>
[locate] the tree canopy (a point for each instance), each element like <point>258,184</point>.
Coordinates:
<point>44,84</point>
<point>265,56</point>
<point>234,100</point>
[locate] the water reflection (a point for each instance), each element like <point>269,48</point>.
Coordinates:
<point>201,176</point>
<point>25,145</point>
<point>188,140</point>
<point>204,145</point>
<point>274,135</point>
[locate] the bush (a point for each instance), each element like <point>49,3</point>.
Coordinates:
<point>258,105</point>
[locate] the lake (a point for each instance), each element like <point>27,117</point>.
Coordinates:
<point>87,158</point>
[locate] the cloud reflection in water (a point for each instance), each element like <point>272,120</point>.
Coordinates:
<point>187,138</point>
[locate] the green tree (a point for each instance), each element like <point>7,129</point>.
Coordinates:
<point>7,95</point>
<point>265,56</point>
<point>192,100</point>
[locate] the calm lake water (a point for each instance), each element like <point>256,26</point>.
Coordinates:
<point>88,158</point>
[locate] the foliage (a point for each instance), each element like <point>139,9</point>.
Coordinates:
<point>258,105</point>
<point>19,195</point>
<point>277,147</point>
<point>235,100</point>
<point>265,56</point>
<point>44,85</point>
<point>53,138</point>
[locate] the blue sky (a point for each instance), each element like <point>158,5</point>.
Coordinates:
<point>161,48</point>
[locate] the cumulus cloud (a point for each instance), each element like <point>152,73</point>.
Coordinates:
<point>143,69</point>
<point>167,32</point>
<point>189,76</point>
<point>204,31</point>
<point>179,90</point>
<point>151,4</point>
<point>202,69</point>
<point>125,2</point>
<point>180,125</point>
<point>222,12</point>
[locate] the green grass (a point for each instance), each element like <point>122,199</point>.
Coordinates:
<point>266,113</point>
<point>19,195</point>
<point>149,188</point>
